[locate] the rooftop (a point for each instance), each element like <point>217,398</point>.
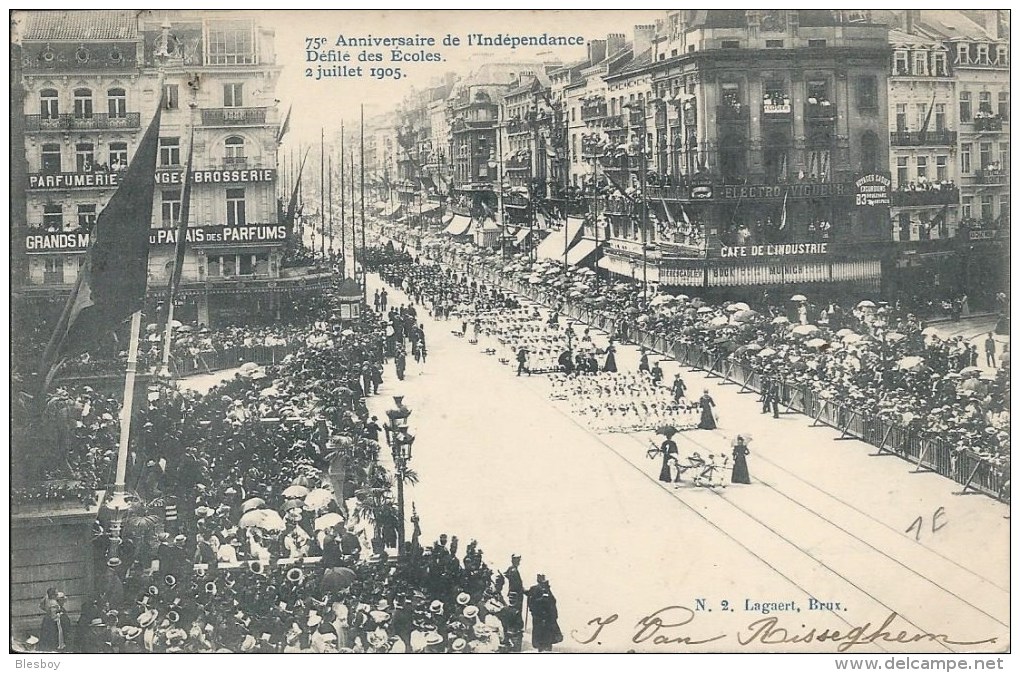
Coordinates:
<point>81,25</point>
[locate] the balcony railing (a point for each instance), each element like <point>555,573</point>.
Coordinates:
<point>916,138</point>
<point>516,200</point>
<point>926,197</point>
<point>992,176</point>
<point>234,116</point>
<point>732,113</point>
<point>983,124</point>
<point>70,122</point>
<point>593,112</point>
<point>776,109</point>
<point>818,111</point>
<point>517,127</point>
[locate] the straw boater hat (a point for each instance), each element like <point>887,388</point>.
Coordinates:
<point>463,598</point>
<point>433,638</point>
<point>471,612</point>
<point>147,618</point>
<point>130,632</point>
<point>458,645</point>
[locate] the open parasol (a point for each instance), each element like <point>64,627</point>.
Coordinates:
<point>328,521</point>
<point>295,491</point>
<point>804,329</point>
<point>336,579</point>
<point>265,519</point>
<point>252,503</point>
<point>318,499</point>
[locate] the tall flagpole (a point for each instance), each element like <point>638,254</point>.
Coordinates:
<point>331,201</point>
<point>364,271</point>
<point>343,208</point>
<point>354,233</point>
<point>322,191</point>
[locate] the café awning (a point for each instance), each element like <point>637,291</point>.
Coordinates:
<point>459,225</point>
<point>581,252</point>
<point>521,235</point>
<point>430,208</point>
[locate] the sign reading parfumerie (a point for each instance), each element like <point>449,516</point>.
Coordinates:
<point>173,177</point>
<point>77,241</point>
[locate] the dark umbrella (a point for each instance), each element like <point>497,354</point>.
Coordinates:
<point>337,579</point>
<point>667,430</point>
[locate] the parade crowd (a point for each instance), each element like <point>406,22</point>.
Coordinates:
<point>261,518</point>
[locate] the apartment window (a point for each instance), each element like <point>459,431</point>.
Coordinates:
<point>169,151</point>
<point>1002,55</point>
<point>940,117</point>
<point>902,172</point>
<point>965,151</point>
<point>170,207</point>
<point>49,104</point>
<point>573,114</point>
<point>731,94</point>
<point>942,168</point>
<point>83,103</point>
<point>867,93</point>
<point>922,169</point>
<point>731,44</point>
<point>1004,105</point>
<point>818,91</point>
<point>963,53</point>
<point>816,43</point>
<point>1004,156</point>
<point>233,150</point>
<point>1004,207</point>
<point>86,216</point>
<point>986,155</point>
<point>869,152</point>
<point>922,114</point>
<point>573,146</point>
<point>231,43</point>
<point>901,63</point>
<point>901,117</point>
<point>773,44</point>
<point>982,54</point>
<point>921,63</point>
<point>171,96</point>
<point>84,157</point>
<point>53,217</point>
<point>985,102</point>
<point>904,220</point>
<point>235,207</point>
<point>117,103</point>
<point>940,64</point>
<point>51,158</point>
<point>53,269</point>
<point>965,108</point>
<point>987,207</point>
<point>232,95</point>
<point>118,155</point>
<point>967,207</point>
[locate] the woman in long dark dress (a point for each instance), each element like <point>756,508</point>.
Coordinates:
<point>740,451</point>
<point>707,417</point>
<point>668,450</point>
<point>610,365</point>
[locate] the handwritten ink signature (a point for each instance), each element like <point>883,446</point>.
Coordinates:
<point>666,627</point>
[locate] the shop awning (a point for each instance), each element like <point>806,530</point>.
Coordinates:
<point>459,225</point>
<point>448,218</point>
<point>521,235</point>
<point>581,252</point>
<point>540,221</point>
<point>430,208</point>
<point>557,244</point>
<point>396,211</point>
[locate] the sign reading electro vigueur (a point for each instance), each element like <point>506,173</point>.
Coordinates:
<point>65,242</point>
<point>170,177</point>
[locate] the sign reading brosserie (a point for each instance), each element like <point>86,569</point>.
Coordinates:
<point>62,242</point>
<point>781,249</point>
<point>171,177</point>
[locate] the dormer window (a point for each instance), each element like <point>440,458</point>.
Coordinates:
<point>901,63</point>
<point>921,63</point>
<point>1002,55</point>
<point>962,53</point>
<point>940,67</point>
<point>982,54</point>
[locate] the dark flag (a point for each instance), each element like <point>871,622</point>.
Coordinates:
<point>182,225</point>
<point>923,133</point>
<point>620,188</point>
<point>937,221</point>
<point>285,126</point>
<point>111,284</point>
<point>292,207</point>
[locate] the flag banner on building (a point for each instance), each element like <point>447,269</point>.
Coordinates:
<point>285,126</point>
<point>669,215</point>
<point>923,135</point>
<point>112,281</point>
<point>619,187</point>
<point>292,207</point>
<point>182,223</point>
<point>782,218</point>
<point>939,220</point>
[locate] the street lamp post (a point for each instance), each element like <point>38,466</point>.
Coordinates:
<point>402,443</point>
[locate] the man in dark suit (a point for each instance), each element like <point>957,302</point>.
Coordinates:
<point>513,578</point>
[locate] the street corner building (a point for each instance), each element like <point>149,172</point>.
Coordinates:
<point>84,86</point>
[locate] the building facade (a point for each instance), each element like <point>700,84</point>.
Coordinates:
<point>93,81</point>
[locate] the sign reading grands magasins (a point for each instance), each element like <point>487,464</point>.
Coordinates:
<point>112,178</point>
<point>77,241</point>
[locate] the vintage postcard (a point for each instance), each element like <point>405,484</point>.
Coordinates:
<point>603,331</point>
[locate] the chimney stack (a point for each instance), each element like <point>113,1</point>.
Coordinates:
<point>615,42</point>
<point>643,36</point>
<point>596,51</point>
